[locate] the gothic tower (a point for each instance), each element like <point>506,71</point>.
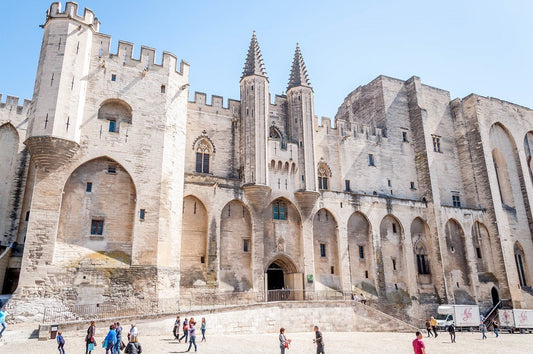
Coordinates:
<point>301,116</point>
<point>60,86</point>
<point>254,115</point>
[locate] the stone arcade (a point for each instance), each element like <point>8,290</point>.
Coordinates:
<point>118,189</point>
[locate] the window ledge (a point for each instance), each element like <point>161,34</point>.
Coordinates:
<point>96,237</point>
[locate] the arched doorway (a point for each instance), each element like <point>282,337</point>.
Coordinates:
<point>495,296</point>
<point>282,280</point>
<point>275,277</point>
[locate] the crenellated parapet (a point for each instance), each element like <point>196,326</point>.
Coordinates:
<point>71,12</point>
<point>11,104</point>
<point>216,105</point>
<point>146,61</point>
<point>349,130</point>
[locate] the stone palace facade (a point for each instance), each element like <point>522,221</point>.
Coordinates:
<point>115,187</point>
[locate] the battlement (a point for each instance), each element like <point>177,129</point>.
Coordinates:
<point>12,103</point>
<point>147,57</point>
<point>71,11</point>
<point>216,106</point>
<point>350,131</point>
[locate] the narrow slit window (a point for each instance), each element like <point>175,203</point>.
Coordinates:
<point>113,77</point>
<point>371,160</point>
<point>89,187</point>
<point>113,126</point>
<point>142,214</point>
<point>246,246</point>
<point>361,252</point>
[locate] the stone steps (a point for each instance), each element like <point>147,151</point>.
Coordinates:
<point>295,316</point>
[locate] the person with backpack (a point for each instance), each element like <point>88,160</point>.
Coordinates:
<point>451,330</point>
<point>60,343</point>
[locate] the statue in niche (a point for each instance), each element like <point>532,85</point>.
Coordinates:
<point>281,244</point>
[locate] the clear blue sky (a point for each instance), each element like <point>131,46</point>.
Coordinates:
<point>483,47</point>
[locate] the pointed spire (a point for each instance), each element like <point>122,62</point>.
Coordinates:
<point>254,60</point>
<point>299,71</point>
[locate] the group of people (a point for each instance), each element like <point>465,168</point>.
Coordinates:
<point>284,342</point>
<point>189,331</point>
<point>361,298</point>
<point>112,343</point>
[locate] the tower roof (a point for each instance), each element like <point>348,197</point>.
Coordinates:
<point>298,71</point>
<point>254,60</point>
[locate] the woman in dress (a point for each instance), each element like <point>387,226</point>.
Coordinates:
<point>89,338</point>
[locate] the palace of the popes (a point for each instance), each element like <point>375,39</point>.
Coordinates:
<point>118,188</point>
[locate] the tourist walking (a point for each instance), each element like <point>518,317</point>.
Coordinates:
<point>319,341</point>
<point>176,330</point>
<point>89,338</point>
<point>133,347</point>
<point>434,325</point>
<point>60,343</point>
<point>118,345</point>
<point>418,345</point>
<point>451,330</point>
<point>3,314</point>
<point>110,340</point>
<point>496,328</point>
<point>428,328</point>
<point>203,329</point>
<point>283,341</point>
<point>363,299</point>
<point>483,330</point>
<point>185,330</point>
<point>192,334</point>
<point>133,331</point>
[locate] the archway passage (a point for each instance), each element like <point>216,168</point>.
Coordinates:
<point>282,281</point>
<point>495,296</point>
<point>275,277</point>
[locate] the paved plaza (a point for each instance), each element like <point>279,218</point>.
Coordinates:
<point>336,342</point>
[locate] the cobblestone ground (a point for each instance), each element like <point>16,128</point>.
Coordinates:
<point>354,342</point>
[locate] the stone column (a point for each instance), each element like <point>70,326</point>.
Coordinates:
<point>409,260</point>
<point>308,253</point>
<point>344,258</point>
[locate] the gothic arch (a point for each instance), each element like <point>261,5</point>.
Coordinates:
<point>283,231</point>
<point>116,110</point>
<point>521,266</point>
<point>326,250</point>
<point>361,250</point>
<point>193,256</point>
<point>204,151</point>
<point>455,259</point>
<point>393,277</point>
<point>528,148</point>
<point>323,174</point>
<point>275,133</point>
<point>287,264</point>
<point>482,248</point>
<point>421,242</point>
<point>206,140</point>
<point>236,246</point>
<point>97,213</point>
<point>502,176</point>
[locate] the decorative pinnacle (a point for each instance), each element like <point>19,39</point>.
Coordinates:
<point>298,71</point>
<point>254,60</point>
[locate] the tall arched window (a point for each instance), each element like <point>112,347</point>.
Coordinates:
<point>422,262</point>
<point>520,264</point>
<point>203,155</point>
<point>323,176</point>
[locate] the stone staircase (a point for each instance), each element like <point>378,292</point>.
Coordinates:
<point>295,316</point>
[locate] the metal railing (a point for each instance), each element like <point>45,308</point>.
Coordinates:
<point>187,302</point>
